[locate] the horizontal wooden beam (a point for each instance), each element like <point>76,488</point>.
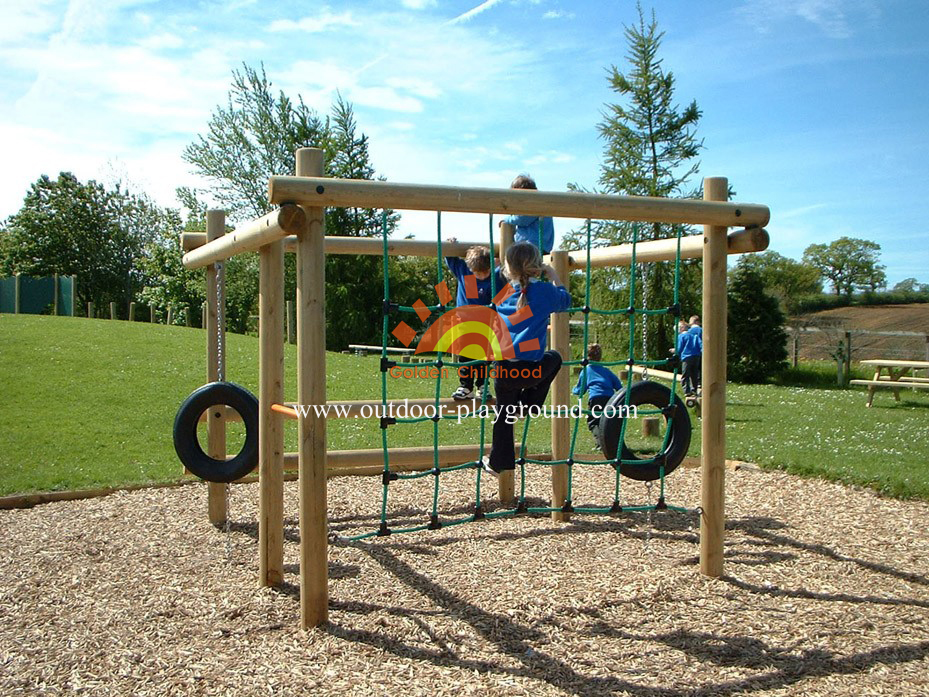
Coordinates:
<point>361,193</point>
<point>286,220</point>
<point>740,241</point>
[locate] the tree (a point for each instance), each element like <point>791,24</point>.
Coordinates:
<point>786,279</point>
<point>757,342</point>
<point>67,227</point>
<point>651,150</point>
<point>256,136</point>
<point>911,285</point>
<point>849,263</point>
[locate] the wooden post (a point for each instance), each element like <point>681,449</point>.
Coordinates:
<point>217,501</point>
<point>132,312</point>
<point>291,321</point>
<point>112,310</point>
<point>203,315</point>
<point>650,426</point>
<point>270,423</point>
<point>506,482</point>
<point>170,319</point>
<point>16,294</point>
<point>713,423</point>
<point>848,358</point>
<point>90,310</point>
<point>151,314</point>
<point>56,289</point>
<point>561,396</point>
<point>311,389</point>
<point>796,346</point>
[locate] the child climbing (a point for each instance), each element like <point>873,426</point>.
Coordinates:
<point>476,265</point>
<point>523,381</point>
<point>531,228</point>
<point>602,383</point>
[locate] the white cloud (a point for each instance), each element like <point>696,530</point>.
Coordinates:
<point>558,14</point>
<point>832,17</point>
<point>326,20</point>
<point>473,12</point>
<point>418,4</point>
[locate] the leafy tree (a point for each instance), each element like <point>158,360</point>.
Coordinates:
<point>849,263</point>
<point>651,150</point>
<point>911,285</point>
<point>100,235</point>
<point>256,136</point>
<point>757,342</point>
<point>786,279</point>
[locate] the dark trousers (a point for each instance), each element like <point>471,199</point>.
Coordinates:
<point>690,374</point>
<point>515,395</point>
<point>596,405</point>
<point>471,376</point>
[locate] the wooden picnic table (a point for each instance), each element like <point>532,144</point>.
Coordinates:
<point>895,375</point>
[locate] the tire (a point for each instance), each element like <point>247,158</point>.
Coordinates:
<point>677,420</point>
<point>188,447</point>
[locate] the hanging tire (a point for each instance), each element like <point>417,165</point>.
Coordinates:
<point>677,420</point>
<point>187,446</point>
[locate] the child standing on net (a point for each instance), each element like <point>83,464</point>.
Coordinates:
<point>602,384</point>
<point>530,228</point>
<point>476,265</point>
<point>523,381</point>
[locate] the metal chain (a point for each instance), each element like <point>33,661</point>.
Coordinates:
<point>220,311</point>
<point>644,321</point>
<point>648,517</point>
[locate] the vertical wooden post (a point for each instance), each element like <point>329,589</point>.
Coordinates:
<point>561,395</point>
<point>506,482</point>
<point>170,319</point>
<point>74,295</point>
<point>713,424</point>
<point>17,286</point>
<point>848,358</point>
<point>311,389</point>
<point>796,347</point>
<point>217,503</point>
<point>112,310</point>
<point>151,312</point>
<point>132,312</point>
<point>291,321</point>
<point>57,287</point>
<point>90,310</point>
<point>270,423</point>
<point>203,315</point>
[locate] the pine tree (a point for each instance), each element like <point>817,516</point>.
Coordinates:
<point>757,342</point>
<point>651,149</point>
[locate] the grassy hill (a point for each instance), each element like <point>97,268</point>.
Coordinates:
<point>92,402</point>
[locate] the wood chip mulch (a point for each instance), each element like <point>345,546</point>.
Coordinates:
<point>826,593</point>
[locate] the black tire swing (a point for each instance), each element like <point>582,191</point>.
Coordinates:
<point>677,421</point>
<point>187,446</point>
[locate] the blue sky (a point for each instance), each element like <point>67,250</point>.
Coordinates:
<point>816,108</point>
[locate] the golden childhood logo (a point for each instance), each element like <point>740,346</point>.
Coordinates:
<point>474,332</point>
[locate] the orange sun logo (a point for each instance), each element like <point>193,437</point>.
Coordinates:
<point>476,332</point>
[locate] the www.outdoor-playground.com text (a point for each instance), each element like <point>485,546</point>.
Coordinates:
<point>460,410</point>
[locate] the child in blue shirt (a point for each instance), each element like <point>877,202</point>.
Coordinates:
<point>523,381</point>
<point>529,227</point>
<point>602,384</point>
<point>474,288</point>
<point>689,350</point>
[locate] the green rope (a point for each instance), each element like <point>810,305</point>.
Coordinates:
<point>571,461</point>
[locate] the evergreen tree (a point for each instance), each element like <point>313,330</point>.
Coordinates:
<point>651,149</point>
<point>757,342</point>
<point>255,136</point>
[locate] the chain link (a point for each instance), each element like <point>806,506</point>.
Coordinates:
<point>220,312</point>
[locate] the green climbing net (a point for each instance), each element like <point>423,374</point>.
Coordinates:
<point>631,312</point>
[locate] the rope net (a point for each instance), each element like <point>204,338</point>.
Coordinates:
<point>442,360</point>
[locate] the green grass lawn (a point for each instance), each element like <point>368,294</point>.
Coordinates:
<point>91,403</point>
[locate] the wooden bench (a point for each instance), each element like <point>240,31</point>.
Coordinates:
<point>364,350</point>
<point>898,376</point>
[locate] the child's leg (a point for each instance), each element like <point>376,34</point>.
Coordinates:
<point>534,395</point>
<point>502,451</point>
<point>466,374</point>
<point>595,404</point>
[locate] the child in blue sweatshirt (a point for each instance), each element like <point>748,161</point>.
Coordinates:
<point>523,381</point>
<point>474,288</point>
<point>530,228</point>
<point>602,384</point>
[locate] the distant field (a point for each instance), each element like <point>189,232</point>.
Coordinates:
<point>92,402</point>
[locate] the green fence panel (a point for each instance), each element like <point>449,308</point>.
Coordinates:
<point>8,295</point>
<point>36,295</point>
<point>65,295</point>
